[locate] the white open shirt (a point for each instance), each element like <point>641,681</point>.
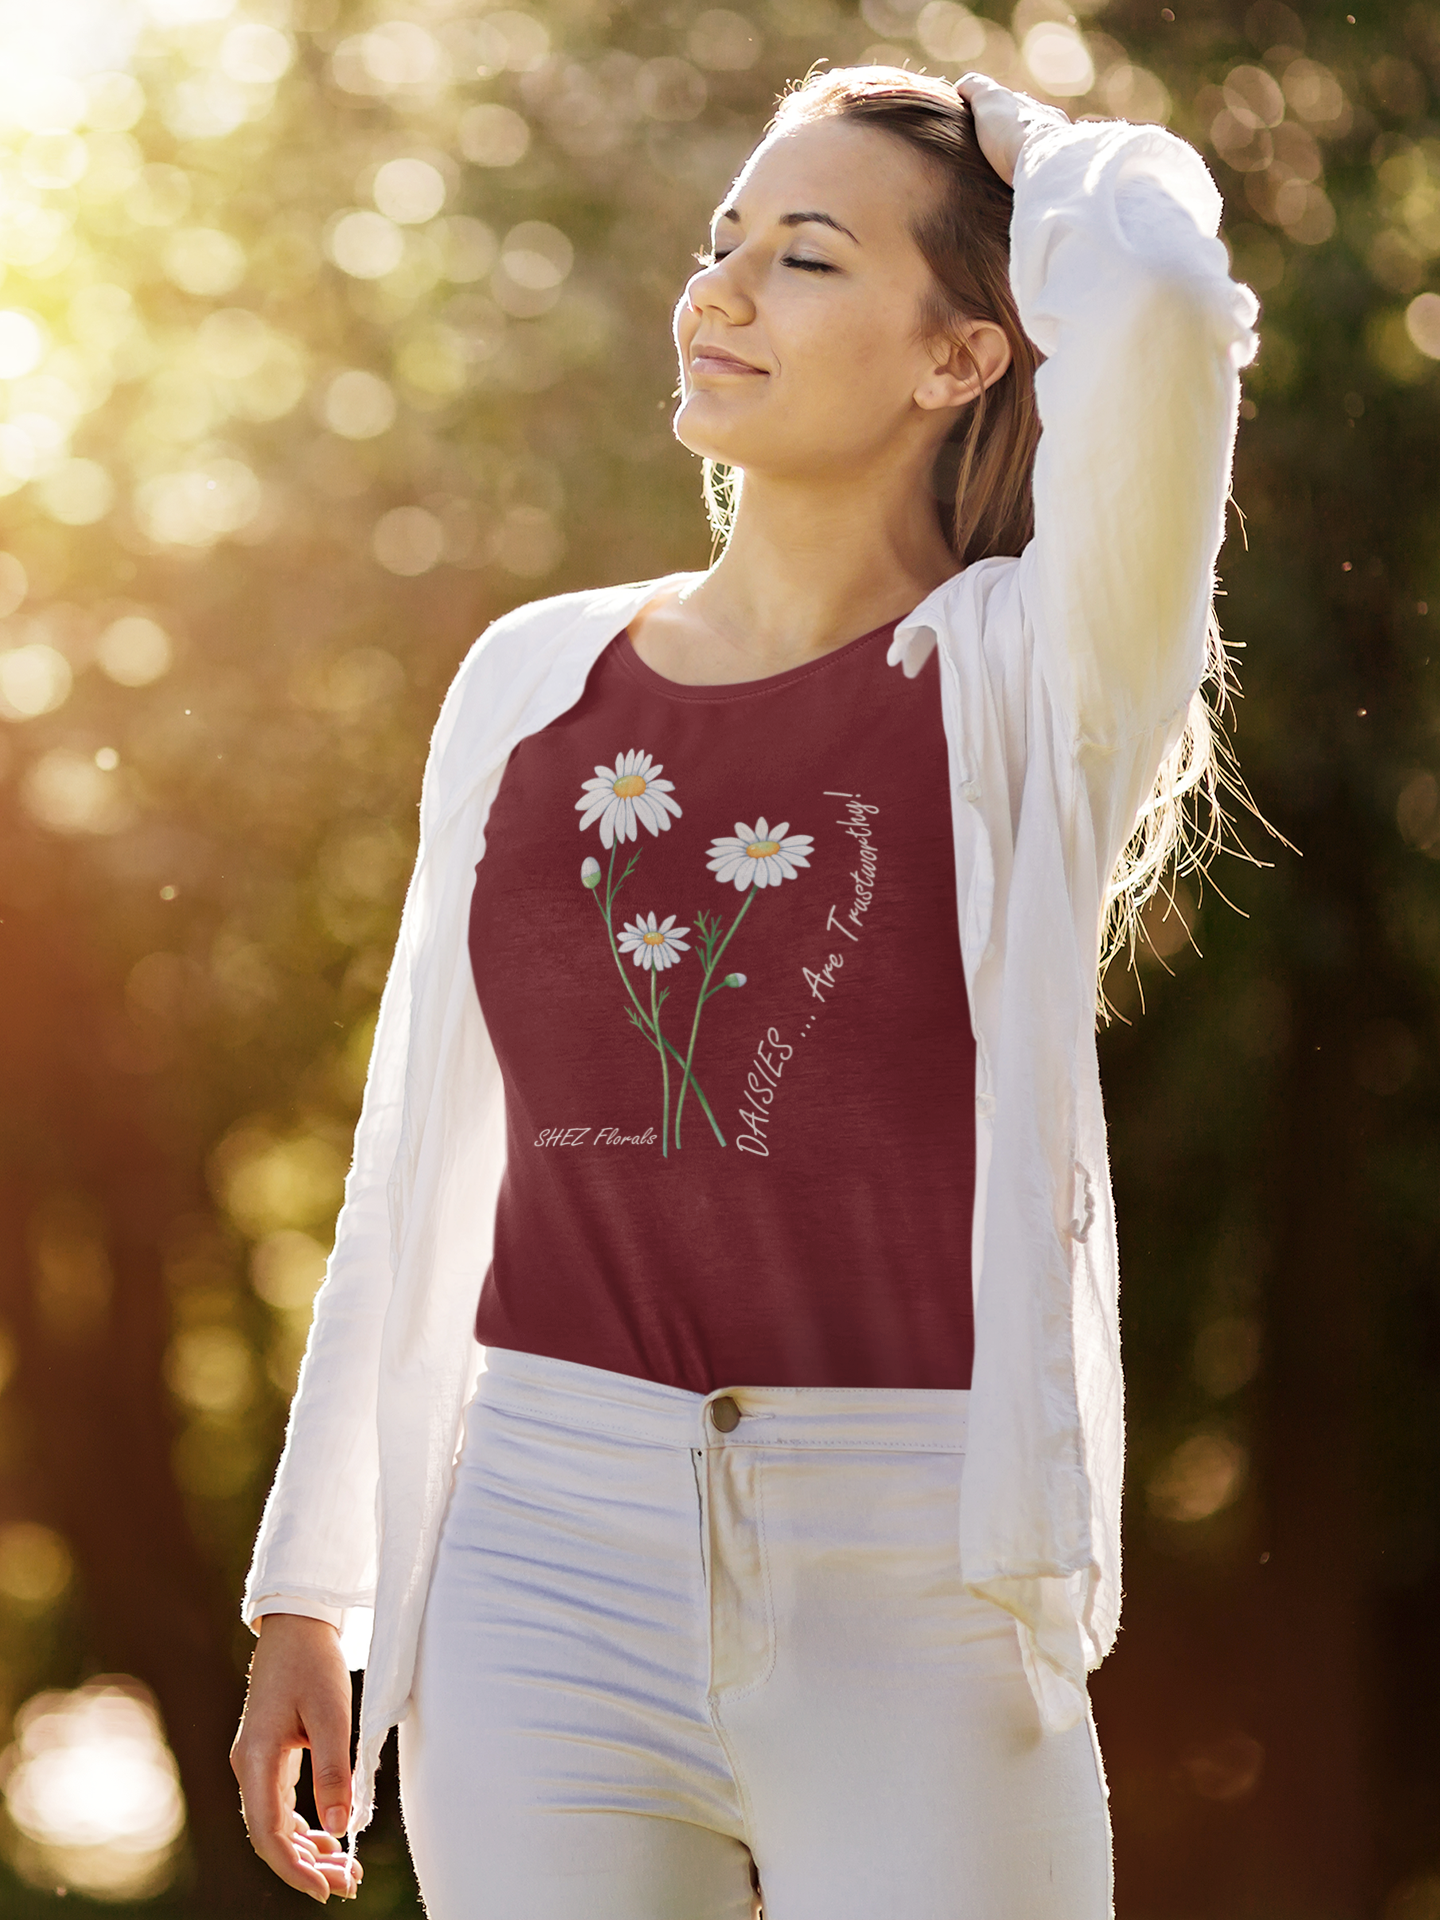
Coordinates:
<point>1066,675</point>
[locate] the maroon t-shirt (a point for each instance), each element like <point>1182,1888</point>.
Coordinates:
<point>715,942</point>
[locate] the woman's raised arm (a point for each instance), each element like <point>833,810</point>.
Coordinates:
<point>1124,287</point>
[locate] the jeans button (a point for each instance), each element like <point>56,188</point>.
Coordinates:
<point>724,1414</point>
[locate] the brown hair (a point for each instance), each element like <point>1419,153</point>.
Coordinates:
<point>983,472</point>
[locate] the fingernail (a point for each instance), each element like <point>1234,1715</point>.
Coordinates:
<point>335,1821</point>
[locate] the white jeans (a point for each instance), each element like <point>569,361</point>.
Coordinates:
<point>662,1664</point>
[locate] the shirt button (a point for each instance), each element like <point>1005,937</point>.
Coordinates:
<point>724,1414</point>
<point>970,790</point>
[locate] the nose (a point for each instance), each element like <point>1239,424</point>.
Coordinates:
<point>718,289</point>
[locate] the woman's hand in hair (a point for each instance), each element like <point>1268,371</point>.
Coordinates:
<point>1002,120</point>
<point>299,1697</point>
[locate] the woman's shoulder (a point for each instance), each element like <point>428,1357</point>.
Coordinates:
<point>558,617</point>
<point>517,653</point>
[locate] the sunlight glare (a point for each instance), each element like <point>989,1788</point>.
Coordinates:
<point>49,51</point>
<point>22,343</point>
<point>93,1790</point>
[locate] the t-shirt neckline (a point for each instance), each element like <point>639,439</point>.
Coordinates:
<point>630,662</point>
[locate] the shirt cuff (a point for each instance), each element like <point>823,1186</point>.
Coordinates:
<point>311,1609</point>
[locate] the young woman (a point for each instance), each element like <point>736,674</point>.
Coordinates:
<point>738,1060</point>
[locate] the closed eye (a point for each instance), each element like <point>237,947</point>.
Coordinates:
<point>789,260</point>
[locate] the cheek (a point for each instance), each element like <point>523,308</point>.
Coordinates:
<point>850,349</point>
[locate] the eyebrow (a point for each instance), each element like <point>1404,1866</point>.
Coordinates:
<point>797,220</point>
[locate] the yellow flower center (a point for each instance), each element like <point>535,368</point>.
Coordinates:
<point>629,787</point>
<point>654,939</point>
<point>762,849</point>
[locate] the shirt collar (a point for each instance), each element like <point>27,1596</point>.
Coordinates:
<point>916,636</point>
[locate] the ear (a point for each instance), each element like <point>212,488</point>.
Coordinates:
<point>952,381</point>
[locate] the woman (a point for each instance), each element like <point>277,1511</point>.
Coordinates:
<point>785,1527</point>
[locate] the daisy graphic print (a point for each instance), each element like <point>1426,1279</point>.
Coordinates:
<point>628,793</point>
<point>760,856</point>
<point>618,801</point>
<point>654,947</point>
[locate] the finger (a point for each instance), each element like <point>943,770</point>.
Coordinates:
<point>325,1729</point>
<point>342,1873</point>
<point>317,1837</point>
<point>269,1822</point>
<point>330,1769</point>
<point>972,85</point>
<point>325,1847</point>
<point>293,1863</point>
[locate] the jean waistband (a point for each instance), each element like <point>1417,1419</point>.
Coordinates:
<point>584,1399</point>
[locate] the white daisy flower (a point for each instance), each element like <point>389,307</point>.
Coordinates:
<point>654,947</point>
<point>762,856</point>
<point>618,796</point>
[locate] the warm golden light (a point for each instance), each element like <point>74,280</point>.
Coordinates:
<point>35,1564</point>
<point>93,1791</point>
<point>1204,1474</point>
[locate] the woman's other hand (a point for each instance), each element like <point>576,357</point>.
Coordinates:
<point>299,1697</point>
<point>1002,120</point>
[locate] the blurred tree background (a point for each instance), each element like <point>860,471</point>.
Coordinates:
<point>329,329</point>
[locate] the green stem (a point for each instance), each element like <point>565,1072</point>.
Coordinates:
<point>619,962</point>
<point>664,1073</point>
<point>604,911</point>
<point>733,925</point>
<point>699,1093</point>
<point>701,998</point>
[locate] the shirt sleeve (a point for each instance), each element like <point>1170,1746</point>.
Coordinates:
<point>318,1538</point>
<point>1123,285</point>
<point>286,1603</point>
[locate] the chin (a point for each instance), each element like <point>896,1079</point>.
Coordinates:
<point>692,434</point>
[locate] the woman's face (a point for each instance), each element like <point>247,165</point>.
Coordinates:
<point>798,344</point>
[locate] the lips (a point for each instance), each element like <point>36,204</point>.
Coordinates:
<point>702,351</point>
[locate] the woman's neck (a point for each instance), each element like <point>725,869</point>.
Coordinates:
<point>804,571</point>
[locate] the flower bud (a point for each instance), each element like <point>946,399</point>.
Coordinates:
<point>734,980</point>
<point>590,873</point>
